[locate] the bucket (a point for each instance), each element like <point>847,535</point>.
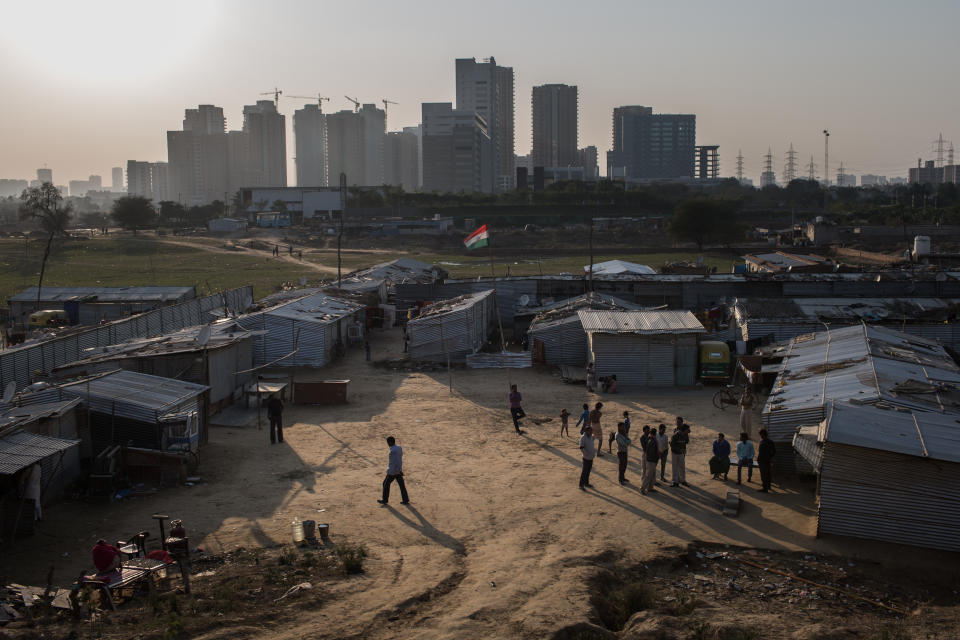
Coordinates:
<point>309,529</point>
<point>323,530</point>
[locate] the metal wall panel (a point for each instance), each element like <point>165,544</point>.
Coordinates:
<point>660,361</point>
<point>623,355</point>
<point>685,372</point>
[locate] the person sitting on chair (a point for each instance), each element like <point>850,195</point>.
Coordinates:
<point>106,557</point>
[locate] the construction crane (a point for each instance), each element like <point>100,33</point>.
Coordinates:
<point>356,103</point>
<point>385,103</point>
<point>276,96</point>
<point>319,98</point>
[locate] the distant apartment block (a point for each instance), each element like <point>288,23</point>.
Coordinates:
<point>554,108</point>
<point>871,180</point>
<point>265,133</point>
<point>12,188</point>
<point>456,150</point>
<point>649,146</point>
<point>197,157</point>
<point>44,175</point>
<point>78,188</point>
<point>418,131</point>
<point>487,89</point>
<point>148,179</point>
<point>95,183</point>
<point>310,146</point>
<point>401,159</point>
<point>707,159</point>
<point>588,158</point>
<point>116,179</point>
<point>355,145</point>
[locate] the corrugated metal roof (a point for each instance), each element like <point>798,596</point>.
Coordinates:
<point>401,270</point>
<point>921,434</point>
<point>22,449</point>
<point>12,415</point>
<point>803,310</point>
<point>865,364</point>
<point>134,388</point>
<point>454,304</point>
<point>318,307</point>
<point>873,276</point>
<point>105,294</point>
<point>647,322</point>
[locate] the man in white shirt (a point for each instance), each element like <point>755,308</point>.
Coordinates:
<point>588,450</point>
<point>394,472</point>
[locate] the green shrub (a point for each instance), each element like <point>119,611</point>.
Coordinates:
<point>351,557</point>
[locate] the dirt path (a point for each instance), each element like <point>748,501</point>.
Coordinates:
<point>498,541</point>
<point>254,252</point>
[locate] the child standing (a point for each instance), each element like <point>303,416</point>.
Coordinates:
<point>564,417</point>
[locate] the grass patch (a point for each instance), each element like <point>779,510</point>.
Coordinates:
<point>139,261</point>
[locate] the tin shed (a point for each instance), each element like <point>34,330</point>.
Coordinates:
<point>643,348</point>
<point>457,327</point>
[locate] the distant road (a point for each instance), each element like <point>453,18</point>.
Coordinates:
<point>253,252</point>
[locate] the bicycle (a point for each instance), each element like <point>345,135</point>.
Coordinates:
<point>730,394</point>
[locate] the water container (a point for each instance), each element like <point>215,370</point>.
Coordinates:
<point>309,529</point>
<point>297,528</point>
<point>921,246</point>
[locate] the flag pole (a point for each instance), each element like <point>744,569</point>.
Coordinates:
<point>496,303</point>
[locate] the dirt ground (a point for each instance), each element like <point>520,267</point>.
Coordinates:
<point>498,541</point>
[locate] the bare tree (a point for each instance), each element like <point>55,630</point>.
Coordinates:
<point>45,205</point>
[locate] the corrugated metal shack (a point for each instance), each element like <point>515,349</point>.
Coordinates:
<point>887,475</point>
<point>89,305</point>
<point>786,318</point>
<point>455,327</point>
<point>140,410</point>
<point>643,348</point>
<point>227,350</point>
<point>691,291</point>
<point>862,364</point>
<point>315,323</point>
<point>556,335</point>
<point>19,451</point>
<point>21,363</point>
<point>44,433</point>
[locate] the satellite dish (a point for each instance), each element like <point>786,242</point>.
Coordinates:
<point>9,391</point>
<point>203,337</point>
<point>524,300</point>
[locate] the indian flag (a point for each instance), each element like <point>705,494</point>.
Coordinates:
<point>478,239</point>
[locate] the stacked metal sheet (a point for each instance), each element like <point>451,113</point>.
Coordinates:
<point>889,475</point>
<point>452,328</point>
<point>502,360</point>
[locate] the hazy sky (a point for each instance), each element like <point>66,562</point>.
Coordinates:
<point>89,85</point>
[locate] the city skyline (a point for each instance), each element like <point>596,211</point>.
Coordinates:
<point>854,72</point>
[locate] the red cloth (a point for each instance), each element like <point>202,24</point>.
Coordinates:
<point>103,555</point>
<point>161,555</point>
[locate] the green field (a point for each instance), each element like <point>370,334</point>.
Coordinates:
<point>138,262</point>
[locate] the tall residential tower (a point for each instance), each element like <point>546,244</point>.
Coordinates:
<point>487,90</point>
<point>555,126</point>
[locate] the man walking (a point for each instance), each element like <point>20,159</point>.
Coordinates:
<point>275,414</point>
<point>745,455</point>
<point>588,450</point>
<point>516,411</point>
<point>394,472</point>
<point>765,454</point>
<point>678,447</point>
<point>643,448</point>
<point>623,443</point>
<point>651,453</point>
<point>584,421</point>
